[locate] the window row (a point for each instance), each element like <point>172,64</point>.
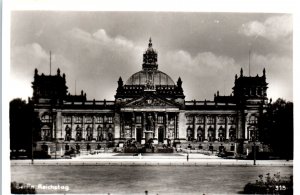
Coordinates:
<point>88,119</point>
<point>160,120</point>
<point>102,134</point>
<point>211,134</point>
<point>210,119</point>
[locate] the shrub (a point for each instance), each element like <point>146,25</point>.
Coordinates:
<point>270,185</point>
<point>165,150</point>
<point>130,150</point>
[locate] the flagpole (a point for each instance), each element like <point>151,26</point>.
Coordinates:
<point>50,62</point>
<point>249,61</point>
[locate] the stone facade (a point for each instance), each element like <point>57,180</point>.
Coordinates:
<point>150,106</point>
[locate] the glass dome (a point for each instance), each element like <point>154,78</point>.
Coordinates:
<point>156,77</point>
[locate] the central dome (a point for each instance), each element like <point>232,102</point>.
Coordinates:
<point>156,77</point>
<point>150,75</point>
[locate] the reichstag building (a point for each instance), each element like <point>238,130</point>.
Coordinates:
<point>149,109</point>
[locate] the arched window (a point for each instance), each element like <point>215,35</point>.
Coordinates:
<point>232,134</point>
<point>68,133</point>
<point>221,134</point>
<point>78,133</point>
<point>89,133</point>
<point>252,133</point>
<point>200,134</point>
<point>99,133</point>
<point>211,134</point>
<point>109,133</point>
<point>110,136</point>
<point>189,133</point>
<point>46,133</point>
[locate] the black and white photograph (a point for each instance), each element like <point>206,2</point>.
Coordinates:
<point>150,102</point>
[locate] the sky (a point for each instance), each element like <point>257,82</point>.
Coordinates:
<point>205,49</point>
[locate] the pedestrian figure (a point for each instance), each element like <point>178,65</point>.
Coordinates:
<point>187,157</point>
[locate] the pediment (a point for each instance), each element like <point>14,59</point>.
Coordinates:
<point>151,101</point>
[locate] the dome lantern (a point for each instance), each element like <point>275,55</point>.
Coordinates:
<point>150,58</point>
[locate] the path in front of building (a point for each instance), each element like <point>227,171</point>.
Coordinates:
<point>152,159</point>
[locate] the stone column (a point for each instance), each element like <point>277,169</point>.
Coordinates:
<point>175,128</point>
<point>182,125</point>
<point>104,128</point>
<point>94,128</point>
<point>63,127</point>
<point>144,125</point>
<point>240,124</point>
<point>117,126</point>
<point>216,128</point>
<point>166,125</point>
<point>226,128</point>
<point>83,128</point>
<point>58,125</point>
<point>133,131</point>
<point>73,128</point>
<point>155,126</point>
<point>246,132</point>
<point>205,127</point>
<point>194,126</point>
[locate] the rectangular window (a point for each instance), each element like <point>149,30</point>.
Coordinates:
<point>99,119</point>
<point>110,119</point>
<point>189,119</point>
<point>253,120</point>
<point>88,119</point>
<point>67,119</point>
<point>160,119</point>
<point>138,119</point>
<point>210,120</point>
<point>199,119</point>
<point>78,119</point>
<point>221,120</point>
<point>231,120</point>
<point>46,119</point>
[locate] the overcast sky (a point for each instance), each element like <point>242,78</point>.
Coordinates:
<point>205,49</point>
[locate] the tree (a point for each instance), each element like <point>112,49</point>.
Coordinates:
<point>277,128</point>
<point>20,120</point>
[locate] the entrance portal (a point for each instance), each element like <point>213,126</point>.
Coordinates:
<point>161,134</point>
<point>139,135</point>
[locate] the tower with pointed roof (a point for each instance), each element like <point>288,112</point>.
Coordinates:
<point>150,58</point>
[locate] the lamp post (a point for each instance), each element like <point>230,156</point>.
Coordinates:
<point>254,153</point>
<point>55,147</point>
<point>254,147</point>
<point>32,145</point>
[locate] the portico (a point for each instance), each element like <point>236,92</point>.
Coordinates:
<point>149,124</point>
